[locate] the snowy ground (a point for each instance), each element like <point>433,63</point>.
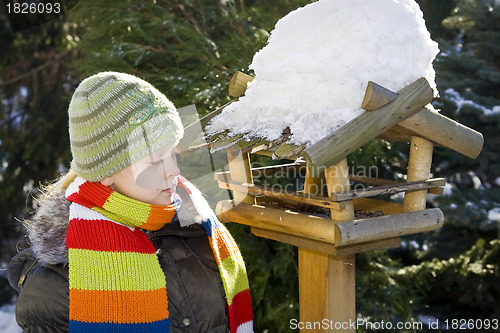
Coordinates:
<point>7,320</point>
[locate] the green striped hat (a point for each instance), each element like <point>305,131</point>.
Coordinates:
<point>116,119</point>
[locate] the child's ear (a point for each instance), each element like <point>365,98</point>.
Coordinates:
<point>108,181</point>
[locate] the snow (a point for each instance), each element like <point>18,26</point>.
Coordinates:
<point>312,74</point>
<point>448,189</point>
<point>470,205</point>
<point>7,320</point>
<point>475,180</point>
<point>494,214</point>
<point>460,102</point>
<point>497,181</point>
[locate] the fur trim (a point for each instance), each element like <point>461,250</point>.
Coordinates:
<point>47,229</point>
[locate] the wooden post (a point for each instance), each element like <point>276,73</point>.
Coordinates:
<point>327,282</point>
<point>419,166</point>
<point>313,271</point>
<point>342,292</point>
<point>241,171</point>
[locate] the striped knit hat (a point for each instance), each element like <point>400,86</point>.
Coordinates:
<point>115,119</point>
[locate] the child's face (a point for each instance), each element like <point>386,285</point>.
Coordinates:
<point>152,179</point>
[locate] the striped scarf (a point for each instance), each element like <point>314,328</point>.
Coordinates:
<point>115,279</point>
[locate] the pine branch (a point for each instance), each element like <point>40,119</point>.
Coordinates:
<point>35,70</point>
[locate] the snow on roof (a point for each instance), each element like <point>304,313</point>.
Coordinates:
<point>312,74</point>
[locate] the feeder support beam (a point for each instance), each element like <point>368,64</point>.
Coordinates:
<point>241,171</point>
<point>419,166</point>
<point>327,282</point>
<point>341,274</point>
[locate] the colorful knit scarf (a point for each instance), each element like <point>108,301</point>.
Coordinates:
<point>115,279</point>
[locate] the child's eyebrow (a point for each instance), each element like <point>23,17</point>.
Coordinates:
<point>157,156</point>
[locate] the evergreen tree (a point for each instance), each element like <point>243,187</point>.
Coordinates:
<point>188,49</point>
<point>34,92</point>
<point>456,268</point>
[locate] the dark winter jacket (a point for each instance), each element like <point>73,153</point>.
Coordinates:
<point>40,274</point>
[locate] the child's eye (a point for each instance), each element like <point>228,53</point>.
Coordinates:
<point>152,163</point>
<point>172,154</point>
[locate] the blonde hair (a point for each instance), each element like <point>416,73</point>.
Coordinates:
<point>65,180</point>
<point>60,184</point>
<point>49,192</point>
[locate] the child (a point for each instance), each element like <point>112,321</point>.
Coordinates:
<point>123,243</point>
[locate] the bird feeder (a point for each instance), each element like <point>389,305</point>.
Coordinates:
<point>327,246</point>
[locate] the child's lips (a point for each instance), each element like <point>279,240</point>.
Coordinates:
<point>169,190</point>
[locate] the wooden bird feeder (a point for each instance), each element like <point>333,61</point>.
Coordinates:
<point>327,246</point>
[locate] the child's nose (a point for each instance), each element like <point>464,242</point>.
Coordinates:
<point>170,168</point>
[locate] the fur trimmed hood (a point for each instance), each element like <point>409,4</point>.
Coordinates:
<point>47,228</point>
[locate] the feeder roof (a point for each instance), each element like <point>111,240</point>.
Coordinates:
<point>404,116</point>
